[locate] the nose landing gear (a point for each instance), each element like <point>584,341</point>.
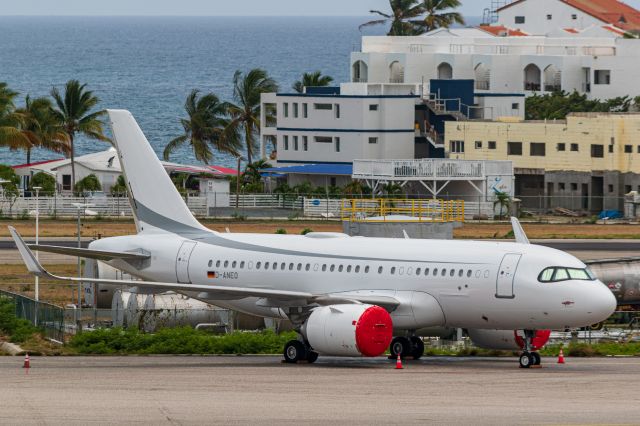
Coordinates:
<point>529,357</point>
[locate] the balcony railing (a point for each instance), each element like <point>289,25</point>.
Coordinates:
<point>552,87</point>
<point>483,85</point>
<point>532,86</point>
<point>428,169</point>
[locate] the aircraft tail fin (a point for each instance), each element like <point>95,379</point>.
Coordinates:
<point>156,203</point>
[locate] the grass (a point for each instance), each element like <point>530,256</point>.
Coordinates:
<point>17,330</point>
<point>181,340</point>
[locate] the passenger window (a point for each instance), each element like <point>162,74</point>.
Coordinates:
<point>210,263</point>
<point>283,265</point>
<point>349,268</point>
<point>409,270</point>
<point>226,263</point>
<point>469,273</point>
<point>306,268</point>
<point>250,265</point>
<point>460,273</point>
<point>324,267</point>
<point>242,265</point>
<point>393,270</point>
<point>299,266</point>
<point>266,265</point>
<point>233,265</point>
<point>333,268</point>
<point>258,265</point>
<point>366,269</point>
<point>401,270</point>
<point>357,268</point>
<point>417,271</point>
<point>340,268</point>
<point>291,266</point>
<point>315,267</point>
<point>452,272</point>
<point>444,272</point>
<point>426,271</point>
<point>435,272</point>
<point>380,269</point>
<point>217,264</point>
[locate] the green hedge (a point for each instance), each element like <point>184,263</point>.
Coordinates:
<point>182,340</point>
<point>18,330</point>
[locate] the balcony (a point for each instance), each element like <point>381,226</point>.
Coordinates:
<point>429,169</point>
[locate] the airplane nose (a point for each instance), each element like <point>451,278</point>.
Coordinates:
<point>604,302</point>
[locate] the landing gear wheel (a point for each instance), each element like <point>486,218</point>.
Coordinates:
<point>417,347</point>
<point>526,360</point>
<point>311,356</point>
<point>536,358</point>
<point>400,345</point>
<point>294,351</point>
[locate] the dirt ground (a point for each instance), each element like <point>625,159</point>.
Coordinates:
<point>92,228</point>
<point>16,278</point>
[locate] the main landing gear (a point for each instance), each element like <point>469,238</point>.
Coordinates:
<point>407,347</point>
<point>529,356</point>
<point>296,351</point>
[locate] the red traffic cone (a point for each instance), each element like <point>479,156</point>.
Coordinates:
<point>398,363</point>
<point>561,357</point>
<point>27,362</point>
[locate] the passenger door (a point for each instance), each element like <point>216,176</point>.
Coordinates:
<point>182,262</point>
<point>506,275</point>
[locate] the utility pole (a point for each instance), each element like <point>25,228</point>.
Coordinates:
<point>37,289</point>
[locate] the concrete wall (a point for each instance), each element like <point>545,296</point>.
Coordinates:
<point>438,231</point>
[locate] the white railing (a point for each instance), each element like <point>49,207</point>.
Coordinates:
<point>432,169</point>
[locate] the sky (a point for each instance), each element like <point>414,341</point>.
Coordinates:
<point>215,7</point>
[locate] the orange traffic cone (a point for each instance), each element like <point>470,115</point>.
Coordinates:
<point>398,363</point>
<point>561,357</point>
<point>27,362</point>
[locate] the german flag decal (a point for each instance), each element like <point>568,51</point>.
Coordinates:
<point>212,274</point>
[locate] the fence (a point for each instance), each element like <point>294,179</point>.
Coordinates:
<point>50,318</point>
<point>390,210</point>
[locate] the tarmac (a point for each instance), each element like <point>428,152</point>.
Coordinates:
<point>183,390</point>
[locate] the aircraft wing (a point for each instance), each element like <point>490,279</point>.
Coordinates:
<point>89,253</point>
<point>207,291</point>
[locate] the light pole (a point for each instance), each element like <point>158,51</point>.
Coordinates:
<point>80,208</point>
<point>37,189</point>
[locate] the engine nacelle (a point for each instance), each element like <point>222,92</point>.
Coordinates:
<point>349,330</point>
<point>506,339</point>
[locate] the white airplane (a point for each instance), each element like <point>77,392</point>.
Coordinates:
<point>346,296</point>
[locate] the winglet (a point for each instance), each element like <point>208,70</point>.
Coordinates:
<point>518,232</point>
<point>27,255</point>
<point>406,236</point>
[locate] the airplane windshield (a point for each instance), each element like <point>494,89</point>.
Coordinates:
<point>559,273</point>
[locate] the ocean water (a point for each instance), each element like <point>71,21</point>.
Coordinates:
<point>148,65</point>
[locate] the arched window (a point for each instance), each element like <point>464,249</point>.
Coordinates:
<point>552,79</point>
<point>532,78</point>
<point>483,77</point>
<point>396,72</point>
<point>445,71</point>
<point>360,72</point>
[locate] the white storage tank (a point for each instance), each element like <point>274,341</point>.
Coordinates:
<point>118,307</point>
<point>174,310</point>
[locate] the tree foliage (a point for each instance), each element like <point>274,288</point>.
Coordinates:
<point>557,105</point>
<point>120,187</point>
<point>44,181</point>
<point>12,180</point>
<point>89,183</point>
<point>314,79</point>
<point>414,17</point>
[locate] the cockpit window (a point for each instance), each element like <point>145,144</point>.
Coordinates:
<point>559,273</point>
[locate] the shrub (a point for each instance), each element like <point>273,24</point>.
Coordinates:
<point>281,231</point>
<point>305,231</point>
<point>17,329</point>
<point>89,183</point>
<point>120,187</point>
<point>44,181</point>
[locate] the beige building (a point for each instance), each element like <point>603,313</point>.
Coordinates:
<point>586,162</point>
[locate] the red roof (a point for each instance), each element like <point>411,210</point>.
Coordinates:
<point>614,12</point>
<point>501,31</point>
<point>571,30</point>
<point>37,163</point>
<point>224,170</point>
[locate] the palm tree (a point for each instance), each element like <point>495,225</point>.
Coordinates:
<point>74,113</point>
<point>41,128</point>
<point>10,120</point>
<point>204,128</point>
<point>245,113</point>
<point>439,14</point>
<point>314,79</point>
<point>402,16</point>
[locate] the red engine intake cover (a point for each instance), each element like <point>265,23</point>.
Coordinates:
<point>539,340</point>
<point>374,331</point>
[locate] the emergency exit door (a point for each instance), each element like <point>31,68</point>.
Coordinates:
<point>182,261</point>
<point>506,275</point>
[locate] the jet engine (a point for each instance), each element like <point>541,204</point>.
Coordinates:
<point>506,339</point>
<point>349,330</point>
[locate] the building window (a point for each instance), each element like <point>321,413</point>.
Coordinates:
<point>514,148</point>
<point>561,186</point>
<point>373,107</point>
<point>337,144</point>
<point>323,139</point>
<point>610,188</point>
<point>597,151</point>
<point>574,147</point>
<point>611,149</point>
<point>574,16</point>
<point>373,140</point>
<point>286,109</point>
<point>285,139</point>
<point>305,143</point>
<point>602,77</point>
<point>519,20</point>
<point>478,144</point>
<point>492,144</point>
<point>295,143</point>
<point>295,110</point>
<point>325,107</point>
<point>515,106</point>
<point>66,182</point>
<point>305,110</point>
<point>537,149</point>
<point>456,146</point>
<point>337,109</point>
<point>627,189</point>
<point>628,149</point>
<point>561,147</point>
<point>638,149</point>
<point>574,186</point>
<point>549,17</point>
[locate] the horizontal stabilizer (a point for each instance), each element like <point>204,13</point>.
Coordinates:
<point>104,255</point>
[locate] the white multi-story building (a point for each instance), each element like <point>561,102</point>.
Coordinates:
<point>361,121</point>
<point>601,67</point>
